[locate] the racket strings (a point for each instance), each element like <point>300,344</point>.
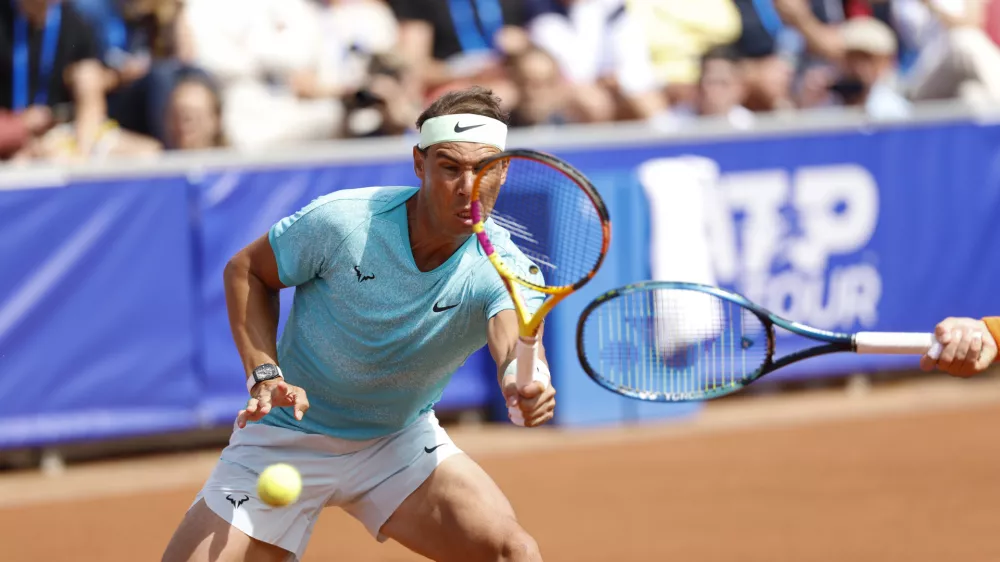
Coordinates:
<point>675,343</point>
<point>551,219</point>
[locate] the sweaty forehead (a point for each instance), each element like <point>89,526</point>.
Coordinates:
<point>463,152</point>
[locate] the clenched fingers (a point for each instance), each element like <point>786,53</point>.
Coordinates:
<point>967,347</point>
<point>538,407</point>
<point>968,353</point>
<point>949,348</point>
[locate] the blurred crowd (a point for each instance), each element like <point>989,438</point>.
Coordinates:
<point>93,78</point>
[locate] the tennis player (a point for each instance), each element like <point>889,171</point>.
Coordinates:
<point>393,293</point>
<point>968,346</point>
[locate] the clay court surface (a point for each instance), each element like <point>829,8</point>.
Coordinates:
<point>910,474</point>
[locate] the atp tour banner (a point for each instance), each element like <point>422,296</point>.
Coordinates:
<point>112,310</point>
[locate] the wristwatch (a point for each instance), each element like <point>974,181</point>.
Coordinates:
<point>261,373</point>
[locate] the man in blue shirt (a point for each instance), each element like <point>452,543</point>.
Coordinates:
<point>393,293</point>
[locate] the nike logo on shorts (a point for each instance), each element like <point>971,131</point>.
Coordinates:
<point>432,449</point>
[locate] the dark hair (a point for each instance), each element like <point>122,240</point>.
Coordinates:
<point>722,52</point>
<point>476,100</point>
<point>194,75</point>
<point>517,58</point>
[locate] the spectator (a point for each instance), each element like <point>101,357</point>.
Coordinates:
<point>599,46</point>
<point>452,43</point>
<point>720,92</point>
<point>194,114</point>
<point>385,104</point>
<point>256,49</point>
<point>721,88</point>
<point>50,52</point>
<point>353,32</point>
<point>542,93</point>
<point>955,56</point>
<point>768,51</point>
<point>137,42</point>
<point>679,32</point>
<point>124,51</point>
<point>868,77</point>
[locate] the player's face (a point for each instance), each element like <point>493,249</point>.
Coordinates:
<point>448,171</point>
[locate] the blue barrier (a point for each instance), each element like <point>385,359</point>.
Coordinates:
<point>97,312</point>
<point>113,321</point>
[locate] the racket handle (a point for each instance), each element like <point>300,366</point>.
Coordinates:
<point>897,343</point>
<point>527,355</point>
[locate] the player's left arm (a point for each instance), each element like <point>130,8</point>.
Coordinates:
<point>536,403</point>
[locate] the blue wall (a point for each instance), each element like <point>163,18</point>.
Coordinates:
<point>113,321</point>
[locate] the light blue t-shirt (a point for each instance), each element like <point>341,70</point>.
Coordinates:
<point>371,338</point>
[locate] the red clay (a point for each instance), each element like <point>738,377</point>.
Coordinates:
<point>918,488</point>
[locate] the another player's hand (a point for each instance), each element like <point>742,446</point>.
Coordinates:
<point>967,348</point>
<point>533,405</point>
<point>274,393</point>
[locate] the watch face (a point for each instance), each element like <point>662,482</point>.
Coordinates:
<point>265,372</point>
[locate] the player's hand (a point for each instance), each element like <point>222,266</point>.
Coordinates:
<point>533,405</point>
<point>967,348</point>
<point>274,393</point>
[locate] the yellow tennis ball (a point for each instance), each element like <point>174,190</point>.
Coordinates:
<point>279,485</point>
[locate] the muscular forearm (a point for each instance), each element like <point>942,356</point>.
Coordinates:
<point>502,337</point>
<point>505,362</point>
<point>253,315</point>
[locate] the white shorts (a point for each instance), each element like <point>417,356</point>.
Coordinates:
<point>368,479</point>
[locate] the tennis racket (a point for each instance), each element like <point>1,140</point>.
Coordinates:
<point>678,342</point>
<point>556,218</point>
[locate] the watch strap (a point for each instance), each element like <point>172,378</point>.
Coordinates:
<point>265,372</point>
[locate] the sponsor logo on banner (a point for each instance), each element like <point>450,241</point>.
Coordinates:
<point>795,242</point>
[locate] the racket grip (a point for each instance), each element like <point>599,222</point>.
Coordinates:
<point>897,343</point>
<point>527,355</point>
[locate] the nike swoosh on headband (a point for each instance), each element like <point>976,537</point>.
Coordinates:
<point>460,129</point>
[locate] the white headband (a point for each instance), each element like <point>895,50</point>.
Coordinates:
<point>463,127</point>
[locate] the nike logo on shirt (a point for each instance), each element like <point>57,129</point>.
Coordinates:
<point>439,308</point>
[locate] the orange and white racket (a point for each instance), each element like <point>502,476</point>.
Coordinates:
<point>556,218</point>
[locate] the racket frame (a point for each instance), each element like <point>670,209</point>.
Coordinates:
<point>831,342</point>
<point>528,327</point>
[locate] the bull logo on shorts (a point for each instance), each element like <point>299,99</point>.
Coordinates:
<point>237,502</point>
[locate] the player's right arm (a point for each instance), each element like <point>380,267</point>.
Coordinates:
<point>294,251</point>
<point>252,286</point>
<point>969,346</point>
